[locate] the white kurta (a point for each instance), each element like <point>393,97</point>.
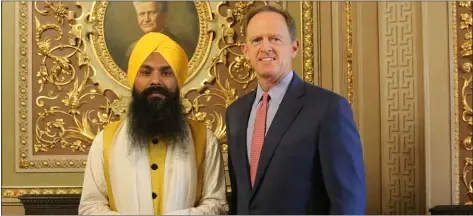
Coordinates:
<point>94,192</point>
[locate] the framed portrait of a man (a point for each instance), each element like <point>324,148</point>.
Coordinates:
<point>121,24</point>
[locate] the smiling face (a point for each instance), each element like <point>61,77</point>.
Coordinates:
<point>150,16</point>
<point>268,45</point>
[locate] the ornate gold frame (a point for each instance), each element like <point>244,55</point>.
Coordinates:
<point>307,42</point>
<point>117,74</point>
<point>28,162</point>
<point>455,153</point>
<point>349,54</point>
<point>462,141</point>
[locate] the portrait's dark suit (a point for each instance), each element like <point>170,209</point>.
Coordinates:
<point>311,161</point>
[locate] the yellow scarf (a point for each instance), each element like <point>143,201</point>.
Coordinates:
<point>199,136</point>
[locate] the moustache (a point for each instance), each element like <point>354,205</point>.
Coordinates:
<point>156,89</point>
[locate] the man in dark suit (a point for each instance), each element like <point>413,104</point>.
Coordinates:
<point>293,147</point>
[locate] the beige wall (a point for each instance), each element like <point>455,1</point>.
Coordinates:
<point>412,88</point>
<point>366,65</point>
<point>436,61</point>
<point>422,167</point>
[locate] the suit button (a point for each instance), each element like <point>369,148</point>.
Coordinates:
<point>154,195</point>
<point>155,141</point>
<point>154,167</point>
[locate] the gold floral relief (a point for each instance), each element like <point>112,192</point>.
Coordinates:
<point>69,87</point>
<point>465,98</point>
<point>229,74</point>
<point>64,74</point>
<point>307,41</point>
<point>349,53</point>
<point>68,107</point>
<point>15,192</point>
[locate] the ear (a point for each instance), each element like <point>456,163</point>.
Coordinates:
<point>244,50</point>
<point>295,48</point>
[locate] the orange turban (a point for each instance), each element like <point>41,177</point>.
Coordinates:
<point>169,49</point>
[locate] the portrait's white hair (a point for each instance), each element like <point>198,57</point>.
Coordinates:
<point>161,4</point>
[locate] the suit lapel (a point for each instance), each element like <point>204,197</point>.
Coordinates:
<point>242,149</point>
<point>288,110</point>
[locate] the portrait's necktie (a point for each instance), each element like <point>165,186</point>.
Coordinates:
<point>258,136</point>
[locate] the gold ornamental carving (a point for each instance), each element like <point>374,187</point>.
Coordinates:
<point>68,87</point>
<point>464,91</point>
<point>307,41</point>
<point>63,87</point>
<point>456,132</point>
<point>349,53</point>
<point>100,47</point>
<point>22,84</point>
<point>15,192</point>
<point>63,74</point>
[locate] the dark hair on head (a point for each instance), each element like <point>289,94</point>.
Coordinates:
<point>290,23</point>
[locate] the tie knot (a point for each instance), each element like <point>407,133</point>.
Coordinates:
<point>265,96</point>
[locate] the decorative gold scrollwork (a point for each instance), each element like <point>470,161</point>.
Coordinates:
<point>349,54</point>
<point>17,192</point>
<point>71,104</point>
<point>307,41</point>
<point>229,71</point>
<point>466,69</point>
<point>60,68</point>
<point>97,16</point>
<point>230,74</point>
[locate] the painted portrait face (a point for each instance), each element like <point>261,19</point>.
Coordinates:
<point>151,16</point>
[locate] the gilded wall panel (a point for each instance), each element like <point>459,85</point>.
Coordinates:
<point>72,81</point>
<point>309,72</point>
<point>401,128</point>
<point>349,56</point>
<point>462,103</point>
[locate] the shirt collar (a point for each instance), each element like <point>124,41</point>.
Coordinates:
<point>276,93</point>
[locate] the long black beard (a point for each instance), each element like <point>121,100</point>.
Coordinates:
<point>156,118</point>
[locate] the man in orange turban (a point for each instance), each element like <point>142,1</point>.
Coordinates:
<point>155,161</point>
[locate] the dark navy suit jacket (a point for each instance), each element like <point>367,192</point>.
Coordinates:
<point>311,161</point>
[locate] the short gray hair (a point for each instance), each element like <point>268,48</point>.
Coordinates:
<point>163,5</point>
